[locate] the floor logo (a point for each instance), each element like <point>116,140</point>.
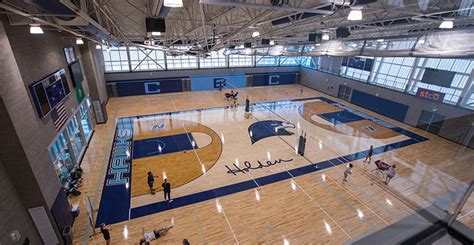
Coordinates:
<point>269,128</point>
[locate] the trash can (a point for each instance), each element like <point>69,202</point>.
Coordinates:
<point>67,234</point>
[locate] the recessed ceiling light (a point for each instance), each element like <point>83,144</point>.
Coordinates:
<point>36,29</point>
<point>255,34</point>
<point>173,3</point>
<point>98,46</point>
<point>421,41</point>
<point>318,44</point>
<point>156,33</point>
<point>380,40</point>
<point>354,45</point>
<point>272,42</point>
<point>355,14</point>
<point>325,36</point>
<point>79,41</point>
<point>446,24</point>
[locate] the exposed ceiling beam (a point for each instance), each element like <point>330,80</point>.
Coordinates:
<point>229,37</point>
<point>44,22</point>
<point>263,6</point>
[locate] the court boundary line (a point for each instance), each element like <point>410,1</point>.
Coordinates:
<point>272,178</point>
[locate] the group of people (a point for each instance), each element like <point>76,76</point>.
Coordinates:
<point>391,171</point>
<point>166,186</point>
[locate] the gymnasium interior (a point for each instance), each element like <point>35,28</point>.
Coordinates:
<point>237,122</point>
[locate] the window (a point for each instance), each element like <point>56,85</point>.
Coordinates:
<point>357,68</point>
<point>237,60</point>
<point>215,60</point>
<point>461,67</point>
<point>142,59</point>
<point>116,59</point>
<point>288,61</point>
<point>176,62</point>
<point>392,72</point>
<point>308,61</point>
<point>267,60</point>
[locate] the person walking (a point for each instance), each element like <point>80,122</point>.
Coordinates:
<point>390,174</point>
<point>104,229</point>
<point>151,180</point>
<point>167,190</point>
<point>347,172</point>
<point>369,154</point>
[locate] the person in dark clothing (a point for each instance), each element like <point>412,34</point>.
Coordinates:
<point>186,242</point>
<point>369,155</point>
<point>151,180</point>
<point>167,190</point>
<point>104,229</point>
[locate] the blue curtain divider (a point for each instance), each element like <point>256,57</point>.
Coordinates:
<point>379,105</point>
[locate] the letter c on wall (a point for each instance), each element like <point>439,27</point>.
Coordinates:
<point>152,87</point>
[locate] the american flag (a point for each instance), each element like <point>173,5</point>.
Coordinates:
<point>59,116</point>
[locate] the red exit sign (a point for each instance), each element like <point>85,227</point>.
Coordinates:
<point>430,94</point>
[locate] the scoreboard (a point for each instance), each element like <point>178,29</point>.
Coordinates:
<point>49,91</point>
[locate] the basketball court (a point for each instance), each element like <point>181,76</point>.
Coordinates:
<point>241,180</point>
<point>237,122</point>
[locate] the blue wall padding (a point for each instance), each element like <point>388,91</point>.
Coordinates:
<point>379,105</point>
<point>201,83</point>
<point>263,79</point>
<point>155,86</point>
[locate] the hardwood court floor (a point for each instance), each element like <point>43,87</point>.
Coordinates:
<point>312,208</point>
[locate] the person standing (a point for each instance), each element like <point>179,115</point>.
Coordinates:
<point>347,172</point>
<point>369,154</point>
<point>167,190</point>
<point>390,174</point>
<point>151,180</point>
<point>104,229</point>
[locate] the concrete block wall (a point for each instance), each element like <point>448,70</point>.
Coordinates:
<point>27,58</point>
<point>13,213</point>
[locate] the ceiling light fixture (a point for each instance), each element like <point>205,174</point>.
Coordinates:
<point>380,40</point>
<point>354,45</point>
<point>173,3</point>
<point>446,24</point>
<point>325,36</point>
<point>36,29</point>
<point>272,42</point>
<point>79,41</point>
<point>156,33</point>
<point>255,34</point>
<point>355,14</point>
<point>421,41</point>
<point>98,46</point>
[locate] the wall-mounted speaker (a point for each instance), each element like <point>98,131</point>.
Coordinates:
<point>315,37</point>
<point>265,41</point>
<point>155,24</point>
<point>342,32</point>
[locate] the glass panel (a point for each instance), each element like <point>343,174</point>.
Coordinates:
<point>76,136</point>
